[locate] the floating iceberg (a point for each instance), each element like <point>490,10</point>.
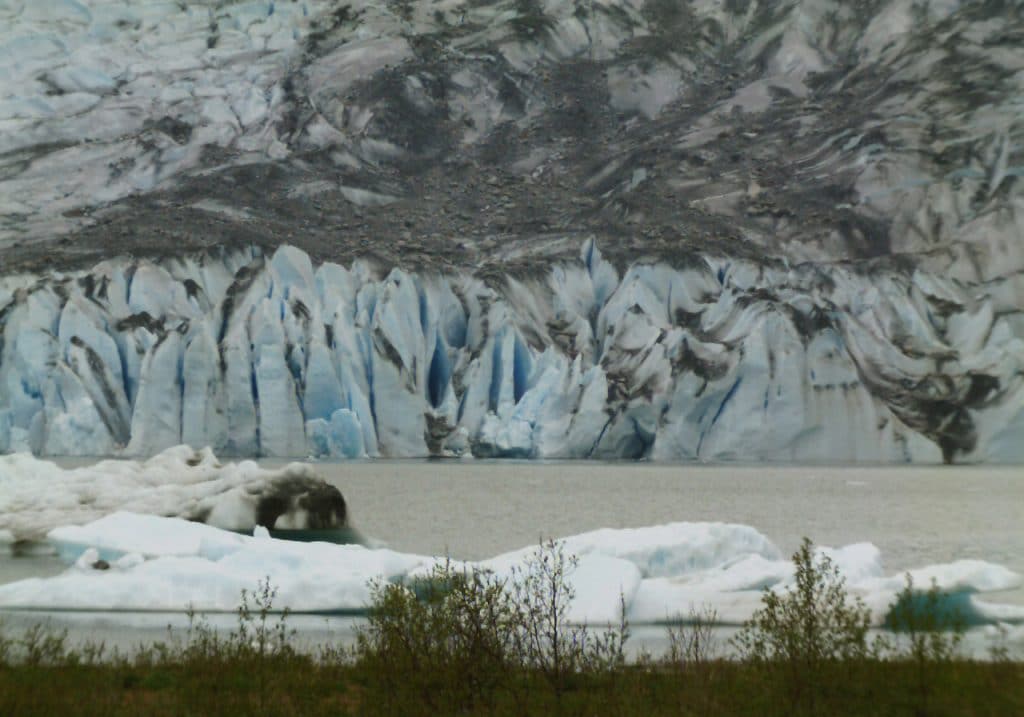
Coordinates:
<point>659,573</point>
<point>121,534</point>
<point>37,496</point>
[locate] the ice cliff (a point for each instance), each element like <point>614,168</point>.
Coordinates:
<point>720,359</point>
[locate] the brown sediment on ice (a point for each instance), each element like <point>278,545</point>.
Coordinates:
<point>496,136</point>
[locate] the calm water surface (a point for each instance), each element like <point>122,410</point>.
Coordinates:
<point>475,509</point>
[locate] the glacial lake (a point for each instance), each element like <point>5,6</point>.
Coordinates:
<point>476,509</point>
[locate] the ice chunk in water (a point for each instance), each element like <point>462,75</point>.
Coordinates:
<point>659,573</point>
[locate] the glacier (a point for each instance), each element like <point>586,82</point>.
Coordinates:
<point>37,496</point>
<point>813,129</point>
<point>658,573</point>
<point>622,229</point>
<point>269,354</point>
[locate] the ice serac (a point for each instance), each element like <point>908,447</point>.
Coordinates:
<point>719,359</point>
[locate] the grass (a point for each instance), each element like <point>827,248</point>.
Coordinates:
<point>303,685</point>
<point>470,643</point>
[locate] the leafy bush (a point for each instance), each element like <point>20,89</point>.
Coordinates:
<point>691,643</point>
<point>800,633</point>
<point>6,645</point>
<point>255,634</point>
<point>444,646</point>
<point>463,640</point>
<point>42,645</point>
<point>693,659</point>
<point>814,622</point>
<point>934,629</point>
<point>547,642</point>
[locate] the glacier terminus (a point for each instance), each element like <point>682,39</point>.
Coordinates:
<point>724,359</point>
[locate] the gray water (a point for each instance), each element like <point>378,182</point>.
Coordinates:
<point>476,509</point>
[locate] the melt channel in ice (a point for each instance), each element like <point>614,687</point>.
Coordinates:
<point>659,573</point>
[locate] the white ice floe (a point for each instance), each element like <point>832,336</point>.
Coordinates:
<point>37,495</point>
<point>659,573</point>
<point>119,534</point>
<point>660,550</point>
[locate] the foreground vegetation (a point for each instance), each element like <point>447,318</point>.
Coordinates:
<point>471,644</point>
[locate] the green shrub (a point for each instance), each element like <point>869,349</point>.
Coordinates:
<point>813,622</point>
<point>461,647</point>
<point>443,645</point>
<point>40,645</point>
<point>693,658</point>
<point>6,645</point>
<point>934,629</point>
<point>691,642</point>
<point>465,640</point>
<point>547,642</point>
<point>799,634</point>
